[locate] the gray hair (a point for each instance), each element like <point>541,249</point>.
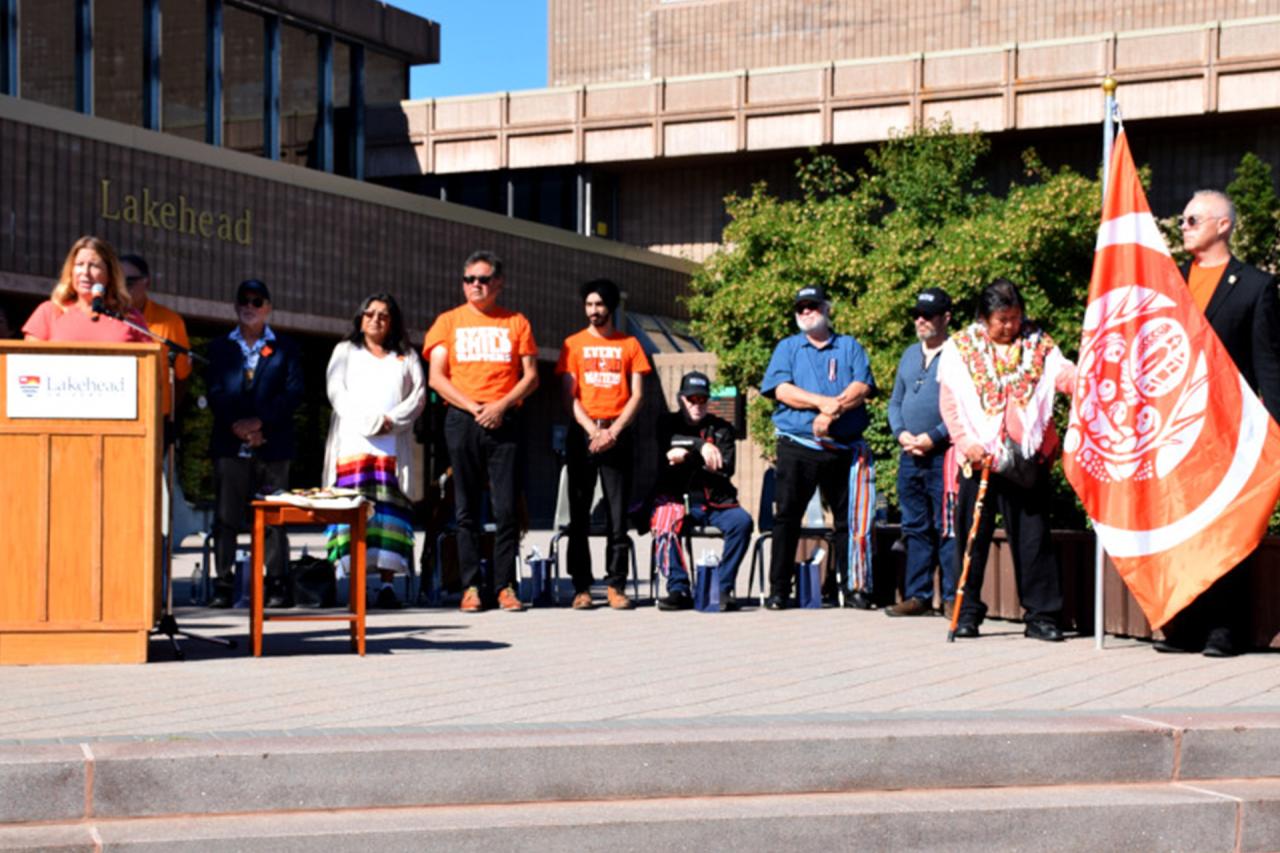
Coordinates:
<point>1223,200</point>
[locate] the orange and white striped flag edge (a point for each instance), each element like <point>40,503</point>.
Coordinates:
<point>1172,454</point>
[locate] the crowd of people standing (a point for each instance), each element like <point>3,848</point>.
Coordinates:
<point>969,405</point>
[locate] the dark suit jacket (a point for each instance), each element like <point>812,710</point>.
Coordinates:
<point>1245,312</point>
<point>273,396</point>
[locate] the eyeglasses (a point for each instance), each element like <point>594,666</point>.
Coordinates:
<point>478,279</point>
<point>808,306</point>
<point>377,315</point>
<point>255,301</point>
<point>133,279</point>
<point>1193,220</point>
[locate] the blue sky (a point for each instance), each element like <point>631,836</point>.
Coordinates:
<point>485,46</point>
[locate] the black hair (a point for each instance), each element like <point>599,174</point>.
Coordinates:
<point>605,289</point>
<point>138,262</point>
<point>997,296</point>
<point>484,255</point>
<point>397,341</point>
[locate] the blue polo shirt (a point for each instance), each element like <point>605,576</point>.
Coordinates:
<point>828,371</point>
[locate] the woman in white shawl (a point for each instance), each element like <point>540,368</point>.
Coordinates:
<point>377,388</point>
<point>998,377</point>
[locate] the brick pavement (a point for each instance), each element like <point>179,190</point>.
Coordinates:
<point>438,669</point>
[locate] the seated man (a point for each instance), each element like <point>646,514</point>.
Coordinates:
<point>699,450</point>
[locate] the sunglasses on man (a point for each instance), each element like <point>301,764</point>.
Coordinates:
<point>477,279</point>
<point>255,301</point>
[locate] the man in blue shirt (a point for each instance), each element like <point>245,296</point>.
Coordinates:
<point>916,421</point>
<point>819,381</point>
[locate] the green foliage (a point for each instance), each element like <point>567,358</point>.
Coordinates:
<point>1256,238</point>
<point>916,217</point>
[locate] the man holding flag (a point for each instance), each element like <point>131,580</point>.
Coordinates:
<point>1173,455</point>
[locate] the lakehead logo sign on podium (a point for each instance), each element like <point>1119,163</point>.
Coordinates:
<point>96,387</point>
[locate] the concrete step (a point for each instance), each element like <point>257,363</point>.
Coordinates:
<point>1242,815</point>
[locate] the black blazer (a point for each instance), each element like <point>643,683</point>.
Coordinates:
<point>1245,312</point>
<point>273,396</point>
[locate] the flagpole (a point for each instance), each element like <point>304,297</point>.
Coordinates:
<point>1099,555</point>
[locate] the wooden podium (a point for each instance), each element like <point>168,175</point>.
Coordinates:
<point>80,501</point>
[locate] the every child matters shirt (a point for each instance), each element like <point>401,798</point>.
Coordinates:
<point>484,349</point>
<point>602,368</point>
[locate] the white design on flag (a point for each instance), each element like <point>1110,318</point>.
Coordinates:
<point>1138,228</point>
<point>1140,404</point>
<point>1253,435</point>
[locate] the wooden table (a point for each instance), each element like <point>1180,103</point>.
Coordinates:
<point>270,514</point>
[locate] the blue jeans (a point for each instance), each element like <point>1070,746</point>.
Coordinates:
<point>920,484</point>
<point>736,525</point>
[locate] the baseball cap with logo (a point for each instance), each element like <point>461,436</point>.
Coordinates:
<point>931,302</point>
<point>695,384</point>
<point>811,293</point>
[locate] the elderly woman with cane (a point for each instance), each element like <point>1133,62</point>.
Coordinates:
<point>998,377</point>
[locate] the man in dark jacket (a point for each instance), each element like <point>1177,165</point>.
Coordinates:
<point>699,455</point>
<point>1241,305</point>
<point>254,386</point>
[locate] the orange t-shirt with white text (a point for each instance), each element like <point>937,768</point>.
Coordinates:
<point>602,368</point>
<point>484,349</point>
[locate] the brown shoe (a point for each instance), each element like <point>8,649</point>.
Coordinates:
<point>471,601</point>
<point>948,608</point>
<point>909,607</point>
<point>509,601</point>
<point>619,601</point>
<point>582,601</point>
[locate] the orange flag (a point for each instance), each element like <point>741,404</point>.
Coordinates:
<point>1173,456</point>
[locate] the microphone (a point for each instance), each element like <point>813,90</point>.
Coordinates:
<point>98,307</point>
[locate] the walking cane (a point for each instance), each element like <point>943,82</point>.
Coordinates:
<point>968,546</point>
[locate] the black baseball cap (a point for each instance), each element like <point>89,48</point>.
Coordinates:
<point>811,293</point>
<point>695,384</point>
<point>252,286</point>
<point>931,302</point>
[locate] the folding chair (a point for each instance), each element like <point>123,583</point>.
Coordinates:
<point>596,528</point>
<point>812,527</point>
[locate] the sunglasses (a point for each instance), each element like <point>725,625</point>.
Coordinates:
<point>255,301</point>
<point>808,306</point>
<point>477,279</point>
<point>697,400</point>
<point>133,279</point>
<point>1193,220</point>
<point>377,315</point>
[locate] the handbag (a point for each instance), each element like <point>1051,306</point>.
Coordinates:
<point>1016,467</point>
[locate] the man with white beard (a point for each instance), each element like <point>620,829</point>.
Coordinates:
<point>819,381</point>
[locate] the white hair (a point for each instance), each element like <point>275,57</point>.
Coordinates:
<point>1222,200</point>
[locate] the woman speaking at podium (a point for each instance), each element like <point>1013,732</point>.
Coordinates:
<point>89,290</point>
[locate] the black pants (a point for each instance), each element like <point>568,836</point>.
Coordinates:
<point>1026,521</point>
<point>480,456</point>
<point>236,481</point>
<point>613,467</point>
<point>799,471</point>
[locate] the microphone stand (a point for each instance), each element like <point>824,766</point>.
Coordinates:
<point>168,624</point>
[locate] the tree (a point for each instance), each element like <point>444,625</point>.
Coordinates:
<point>916,216</point>
<point>1256,238</point>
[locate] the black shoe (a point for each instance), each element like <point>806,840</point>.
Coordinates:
<point>775,602</point>
<point>859,601</point>
<point>729,602</point>
<point>276,599</point>
<point>1043,629</point>
<point>221,599</point>
<point>966,631</point>
<point>1174,647</point>
<point>678,600</point>
<point>1219,644</point>
<point>386,599</point>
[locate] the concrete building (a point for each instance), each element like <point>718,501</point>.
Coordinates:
<point>658,108</point>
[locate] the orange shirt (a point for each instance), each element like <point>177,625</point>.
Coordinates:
<point>1202,282</point>
<point>169,324</point>
<point>484,349</point>
<point>602,368</point>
